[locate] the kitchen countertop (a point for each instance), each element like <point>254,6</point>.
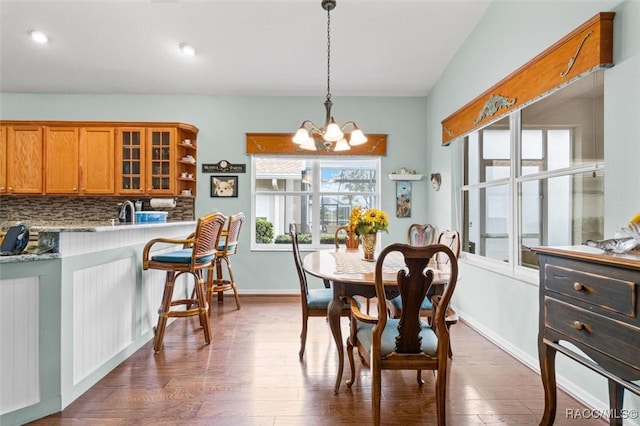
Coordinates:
<point>89,227</point>
<point>49,236</point>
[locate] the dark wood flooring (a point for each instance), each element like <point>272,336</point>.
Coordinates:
<point>250,375</point>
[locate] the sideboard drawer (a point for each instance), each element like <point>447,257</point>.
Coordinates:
<point>613,338</point>
<point>604,291</point>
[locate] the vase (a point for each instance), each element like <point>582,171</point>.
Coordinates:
<point>352,241</point>
<point>369,246</point>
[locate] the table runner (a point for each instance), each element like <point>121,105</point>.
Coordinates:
<point>353,263</point>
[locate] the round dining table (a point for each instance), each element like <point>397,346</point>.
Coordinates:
<point>350,275</point>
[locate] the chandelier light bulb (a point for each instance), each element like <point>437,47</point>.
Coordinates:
<point>357,138</point>
<point>302,136</point>
<point>342,145</point>
<point>38,36</point>
<point>187,49</point>
<point>333,132</point>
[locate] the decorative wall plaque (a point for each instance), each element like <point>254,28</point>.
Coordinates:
<point>223,166</point>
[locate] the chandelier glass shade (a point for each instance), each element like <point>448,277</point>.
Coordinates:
<point>330,136</point>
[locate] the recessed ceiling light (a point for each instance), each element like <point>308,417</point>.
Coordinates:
<point>187,49</point>
<point>38,36</point>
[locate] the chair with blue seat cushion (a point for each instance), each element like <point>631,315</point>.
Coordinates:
<point>408,342</point>
<point>227,247</point>
<point>315,302</point>
<point>195,256</point>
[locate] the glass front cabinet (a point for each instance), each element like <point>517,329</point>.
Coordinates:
<point>157,161</point>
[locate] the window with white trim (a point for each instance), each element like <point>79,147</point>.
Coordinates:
<point>536,176</point>
<point>315,193</point>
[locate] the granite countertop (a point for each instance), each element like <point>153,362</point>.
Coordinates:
<point>26,257</point>
<point>93,227</point>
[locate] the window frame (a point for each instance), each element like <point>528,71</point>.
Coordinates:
<point>512,268</point>
<point>315,193</point>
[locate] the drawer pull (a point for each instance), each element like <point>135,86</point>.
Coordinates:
<point>578,287</point>
<point>578,325</point>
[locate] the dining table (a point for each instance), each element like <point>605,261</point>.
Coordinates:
<point>351,275</point>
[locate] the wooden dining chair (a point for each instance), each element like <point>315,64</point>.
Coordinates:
<point>406,343</point>
<point>421,235</point>
<point>315,302</point>
<point>452,240</point>
<point>227,247</point>
<point>194,257</point>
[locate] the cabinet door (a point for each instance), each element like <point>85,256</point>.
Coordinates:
<point>3,160</point>
<point>61,160</point>
<point>97,160</point>
<point>161,150</point>
<point>24,160</point>
<point>130,161</point>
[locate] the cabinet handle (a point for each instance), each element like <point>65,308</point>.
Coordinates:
<point>578,287</point>
<point>578,325</point>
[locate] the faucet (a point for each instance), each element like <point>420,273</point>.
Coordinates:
<point>123,211</point>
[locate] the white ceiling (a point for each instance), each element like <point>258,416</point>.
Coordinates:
<point>245,47</point>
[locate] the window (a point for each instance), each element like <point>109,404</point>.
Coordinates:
<point>536,177</point>
<point>316,194</point>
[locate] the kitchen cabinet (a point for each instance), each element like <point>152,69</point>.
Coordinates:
<point>61,159</point>
<point>146,161</point>
<point>98,158</point>
<point>24,159</point>
<point>79,160</point>
<point>156,161</point>
<point>3,159</point>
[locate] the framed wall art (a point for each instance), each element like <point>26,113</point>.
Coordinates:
<point>224,186</point>
<point>403,198</point>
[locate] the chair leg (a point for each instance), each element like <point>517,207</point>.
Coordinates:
<point>376,391</point>
<point>419,378</point>
<point>350,343</point>
<point>303,336</point>
<point>203,306</point>
<point>219,277</point>
<point>163,312</point>
<point>233,283</point>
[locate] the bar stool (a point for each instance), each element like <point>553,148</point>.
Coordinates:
<point>226,248</point>
<point>197,254</point>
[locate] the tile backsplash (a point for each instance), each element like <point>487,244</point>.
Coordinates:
<point>42,211</point>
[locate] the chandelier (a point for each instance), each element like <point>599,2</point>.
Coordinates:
<point>331,134</point>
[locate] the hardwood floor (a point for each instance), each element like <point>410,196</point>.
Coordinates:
<point>250,375</point>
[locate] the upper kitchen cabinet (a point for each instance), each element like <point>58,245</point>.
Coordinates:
<point>156,160</point>
<point>3,159</point>
<point>79,160</point>
<point>97,160</point>
<point>23,162</point>
<point>61,160</point>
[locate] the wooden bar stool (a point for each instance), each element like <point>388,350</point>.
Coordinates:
<point>197,254</point>
<point>228,246</point>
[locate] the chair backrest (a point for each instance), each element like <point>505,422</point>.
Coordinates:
<point>302,277</point>
<point>421,235</point>
<point>207,237</point>
<point>450,239</point>
<point>232,232</point>
<point>413,283</point>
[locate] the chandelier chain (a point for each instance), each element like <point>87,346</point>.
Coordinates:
<point>329,54</point>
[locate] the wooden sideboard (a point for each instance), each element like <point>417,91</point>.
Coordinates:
<point>590,299</point>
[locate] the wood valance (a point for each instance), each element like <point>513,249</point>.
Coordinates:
<point>282,144</point>
<point>585,49</point>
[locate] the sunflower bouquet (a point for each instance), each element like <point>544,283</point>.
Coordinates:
<point>368,221</point>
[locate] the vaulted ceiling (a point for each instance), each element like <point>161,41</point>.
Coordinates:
<point>244,47</point>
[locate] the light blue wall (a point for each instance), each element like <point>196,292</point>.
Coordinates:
<point>223,122</point>
<point>511,33</point>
